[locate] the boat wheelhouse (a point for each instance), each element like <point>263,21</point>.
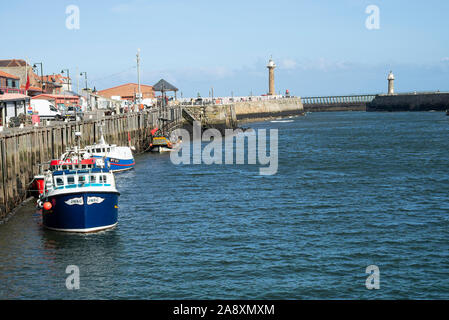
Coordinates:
<point>67,164</point>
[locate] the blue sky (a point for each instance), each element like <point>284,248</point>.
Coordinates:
<point>321,47</point>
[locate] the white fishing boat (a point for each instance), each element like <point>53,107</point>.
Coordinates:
<point>119,158</point>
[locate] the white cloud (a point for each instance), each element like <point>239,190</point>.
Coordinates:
<point>288,64</point>
<point>131,6</point>
<point>122,8</point>
<point>217,72</point>
<point>445,59</point>
<point>324,65</point>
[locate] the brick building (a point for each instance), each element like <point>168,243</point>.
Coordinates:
<point>19,68</point>
<point>9,83</point>
<point>53,84</point>
<point>127,92</point>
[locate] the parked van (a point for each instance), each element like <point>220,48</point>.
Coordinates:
<point>45,109</point>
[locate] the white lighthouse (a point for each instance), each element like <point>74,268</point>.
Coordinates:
<point>391,83</point>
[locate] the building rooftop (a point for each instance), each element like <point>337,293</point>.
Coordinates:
<point>13,96</point>
<point>126,90</point>
<point>55,96</point>
<point>163,85</point>
<point>7,75</point>
<point>13,63</point>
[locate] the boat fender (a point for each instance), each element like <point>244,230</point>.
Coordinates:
<point>47,205</point>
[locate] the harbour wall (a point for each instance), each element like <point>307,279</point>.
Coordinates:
<point>223,116</point>
<point>22,150</point>
<point>248,111</point>
<point>432,101</point>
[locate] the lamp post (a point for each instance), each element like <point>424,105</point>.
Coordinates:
<point>85,78</point>
<point>42,74</point>
<point>87,93</point>
<point>68,79</point>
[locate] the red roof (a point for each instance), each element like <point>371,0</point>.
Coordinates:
<point>13,96</point>
<point>7,75</point>
<point>54,96</point>
<point>127,90</point>
<point>31,88</point>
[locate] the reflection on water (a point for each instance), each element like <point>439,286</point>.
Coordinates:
<point>353,189</point>
<point>33,255</point>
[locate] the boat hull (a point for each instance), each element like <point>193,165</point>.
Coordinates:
<point>81,212</point>
<point>116,165</point>
<point>160,149</point>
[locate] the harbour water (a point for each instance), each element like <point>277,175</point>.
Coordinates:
<point>353,189</point>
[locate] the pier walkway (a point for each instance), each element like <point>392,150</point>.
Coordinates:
<point>337,103</point>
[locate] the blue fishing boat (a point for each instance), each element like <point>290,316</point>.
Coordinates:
<point>80,197</point>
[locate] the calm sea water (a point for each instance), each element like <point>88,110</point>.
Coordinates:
<point>352,190</point>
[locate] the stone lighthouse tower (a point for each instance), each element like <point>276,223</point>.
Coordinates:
<point>391,83</point>
<point>271,66</point>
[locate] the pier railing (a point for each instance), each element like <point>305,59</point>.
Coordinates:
<point>329,100</point>
<point>228,100</point>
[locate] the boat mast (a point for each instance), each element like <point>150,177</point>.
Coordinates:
<point>102,141</point>
<point>139,97</point>
<point>78,138</point>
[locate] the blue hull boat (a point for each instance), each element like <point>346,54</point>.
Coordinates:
<point>82,212</point>
<point>79,199</point>
<point>117,165</point>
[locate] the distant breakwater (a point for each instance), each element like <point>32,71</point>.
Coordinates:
<point>424,101</point>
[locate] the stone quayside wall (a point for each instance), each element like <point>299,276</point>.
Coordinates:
<point>22,150</point>
<point>230,115</point>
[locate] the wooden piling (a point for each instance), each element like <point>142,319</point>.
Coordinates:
<point>22,150</point>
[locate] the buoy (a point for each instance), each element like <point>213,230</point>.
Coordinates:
<point>47,205</point>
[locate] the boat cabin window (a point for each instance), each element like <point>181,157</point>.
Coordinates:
<point>82,179</point>
<point>71,180</point>
<point>59,181</point>
<point>93,179</point>
<point>98,150</point>
<point>108,149</point>
<point>102,179</point>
